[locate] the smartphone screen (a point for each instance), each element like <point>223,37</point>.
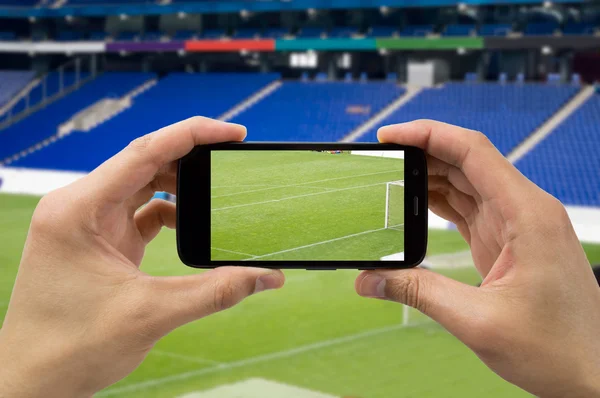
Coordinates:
<point>343,203</point>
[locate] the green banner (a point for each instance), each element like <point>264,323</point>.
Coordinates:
<point>434,43</point>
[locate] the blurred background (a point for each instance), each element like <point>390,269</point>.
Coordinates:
<point>80,79</point>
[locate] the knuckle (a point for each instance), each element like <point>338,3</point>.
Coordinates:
<point>407,290</point>
<point>225,295</point>
<point>48,213</point>
<point>480,138</point>
<point>141,143</point>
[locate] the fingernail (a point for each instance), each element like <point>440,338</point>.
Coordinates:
<point>372,286</point>
<point>266,282</point>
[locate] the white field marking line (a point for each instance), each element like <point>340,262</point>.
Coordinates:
<point>184,357</point>
<point>232,252</point>
<point>306,183</point>
<point>243,185</point>
<point>249,361</point>
<point>295,197</point>
<point>316,244</point>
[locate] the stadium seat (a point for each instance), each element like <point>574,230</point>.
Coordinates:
<point>44,123</point>
<point>494,30</point>
<point>276,33</point>
<point>416,30</point>
<point>189,95</point>
<point>127,36</point>
<point>98,36</point>
<point>538,29</point>
<point>214,34</point>
<point>566,163</point>
<point>7,36</point>
<point>67,35</point>
<point>309,33</point>
<point>383,31</point>
<point>12,82</point>
<point>576,28</point>
<point>342,32</point>
<point>247,33</point>
<point>506,113</point>
<point>316,111</point>
<point>459,30</point>
<point>153,36</point>
<point>184,35</point>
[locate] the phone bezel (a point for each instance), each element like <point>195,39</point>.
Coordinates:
<point>193,221</point>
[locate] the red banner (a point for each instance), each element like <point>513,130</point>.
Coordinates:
<point>229,45</point>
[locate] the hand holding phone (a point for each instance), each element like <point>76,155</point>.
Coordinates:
<point>293,205</point>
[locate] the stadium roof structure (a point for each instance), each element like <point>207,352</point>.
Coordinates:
<point>115,7</point>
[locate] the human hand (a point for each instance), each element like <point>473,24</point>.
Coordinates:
<point>535,318</point>
<point>82,315</point>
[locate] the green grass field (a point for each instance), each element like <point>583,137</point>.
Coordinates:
<point>291,205</point>
<point>315,333</point>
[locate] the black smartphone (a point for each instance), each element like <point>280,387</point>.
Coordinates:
<point>302,205</point>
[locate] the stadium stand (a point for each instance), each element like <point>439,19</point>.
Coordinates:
<point>383,31</point>
<point>187,95</point>
<point>505,113</point>
<point>576,28</point>
<point>44,123</point>
<point>12,82</point>
<point>316,111</point>
<point>309,33</point>
<point>545,28</point>
<point>566,163</point>
<point>494,29</point>
<point>459,30</point>
<point>22,3</point>
<point>52,83</point>
<point>417,30</point>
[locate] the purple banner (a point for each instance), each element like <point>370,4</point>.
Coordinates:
<point>145,46</point>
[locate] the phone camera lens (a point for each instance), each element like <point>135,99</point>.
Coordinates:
<point>415,172</point>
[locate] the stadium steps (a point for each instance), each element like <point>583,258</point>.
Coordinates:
<point>71,126</point>
<point>547,127</point>
<point>102,111</point>
<point>255,98</point>
<point>370,124</point>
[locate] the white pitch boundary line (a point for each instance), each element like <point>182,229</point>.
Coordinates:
<point>295,197</point>
<point>315,244</point>
<point>248,361</point>
<point>306,183</point>
<point>185,357</point>
<point>232,252</point>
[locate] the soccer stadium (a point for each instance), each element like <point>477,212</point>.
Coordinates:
<point>81,79</point>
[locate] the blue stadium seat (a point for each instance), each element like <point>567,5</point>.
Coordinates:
<point>247,33</point>
<point>45,122</point>
<point>494,30</point>
<point>68,35</point>
<point>11,82</point>
<point>540,29</point>
<point>127,36</point>
<point>316,111</point>
<point>184,35</point>
<point>22,3</point>
<point>98,36</point>
<point>7,36</point>
<point>459,30</point>
<point>276,33</point>
<point>214,34</point>
<point>566,163</point>
<point>153,36</point>
<point>342,32</point>
<point>383,31</point>
<point>309,33</point>
<point>506,113</point>
<point>188,95</point>
<point>576,28</point>
<point>417,30</point>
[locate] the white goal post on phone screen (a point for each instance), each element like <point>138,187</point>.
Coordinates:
<point>394,205</point>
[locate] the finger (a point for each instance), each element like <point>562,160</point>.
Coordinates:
<point>440,206</point>
<point>157,214</point>
<point>452,304</point>
<point>464,204</point>
<point>188,298</point>
<point>485,168</point>
<point>436,167</point>
<point>137,165</point>
<point>164,181</point>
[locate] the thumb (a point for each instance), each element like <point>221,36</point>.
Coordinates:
<point>452,304</point>
<point>188,298</point>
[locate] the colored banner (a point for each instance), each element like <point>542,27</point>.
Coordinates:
<point>145,46</point>
<point>230,45</point>
<point>435,43</point>
<point>75,47</point>
<point>326,44</point>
